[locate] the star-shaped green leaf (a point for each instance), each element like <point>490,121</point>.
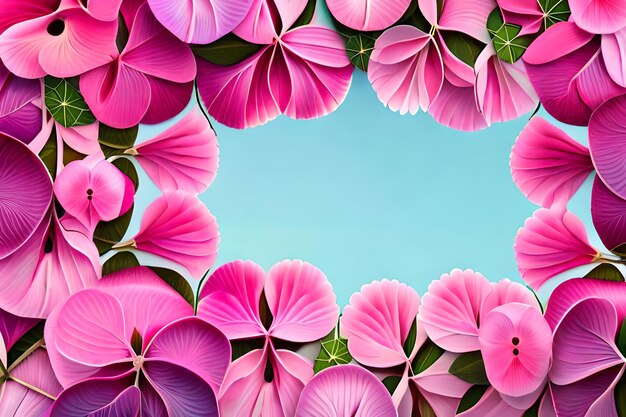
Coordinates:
<point>334,351</point>
<point>359,49</point>
<point>509,46</point>
<point>66,104</point>
<point>555,11</point>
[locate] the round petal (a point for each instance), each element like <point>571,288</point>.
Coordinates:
<point>598,16</point>
<point>456,107</point>
<point>507,291</point>
<point>368,15</point>
<point>614,54</point>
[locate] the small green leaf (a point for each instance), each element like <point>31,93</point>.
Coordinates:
<point>228,50</point>
<point>426,356</point>
<point>110,233</point>
<point>621,338</point>
<point>116,141</point>
<point>606,272</point>
<point>48,154</point>
<point>176,281</point>
<point>333,351</point>
<point>555,11</point>
<point>495,21</point>
<point>620,397</point>
<point>359,49</point>
<point>463,46</point>
<point>307,15</point>
<point>409,343</point>
<point>509,46</point>
<point>391,383</point>
<point>471,397</point>
<point>66,104</point>
<point>136,342</point>
<point>128,168</point>
<point>29,339</point>
<point>470,368</point>
<point>118,262</point>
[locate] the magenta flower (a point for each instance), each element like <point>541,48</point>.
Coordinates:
<point>345,391</point>
<point>20,117</point>
<point>368,15</point>
<point>184,157</point>
<point>569,69</point>
<point>301,72</point>
<point>552,241</point>
<point>294,302</point>
<point>132,342</point>
<point>608,212</point>
<point>93,190</point>
<point>598,16</point>
<point>178,227</point>
<point>155,68</point>
<point>547,165</point>
<point>62,38</point>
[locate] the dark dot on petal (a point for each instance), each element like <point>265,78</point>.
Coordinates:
<point>89,191</point>
<point>516,352</point>
<point>516,341</point>
<point>56,28</point>
<point>89,197</point>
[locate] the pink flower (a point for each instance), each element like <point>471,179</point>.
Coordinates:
<point>528,14</point>
<point>608,212</point>
<point>301,72</point>
<point>569,71</point>
<point>155,68</point>
<point>62,38</point>
<point>132,342</point>
<point>184,157</point>
<point>200,22</point>
<point>20,117</point>
<point>178,227</point>
<point>547,165</point>
<point>93,190</point>
<point>552,241</point>
<point>294,302</point>
<point>598,16</point>
<point>368,15</point>
<point>345,391</point>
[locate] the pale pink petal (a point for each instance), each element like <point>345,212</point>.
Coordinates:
<point>83,139</point>
<point>430,10</point>
<point>178,227</point>
<point>598,16</point>
<point>345,391</point>
<point>547,165</point>
<point>467,16</point>
<point>368,15</point>
<point>377,322</point>
<point>584,342</point>
<point>607,132</point>
<point>507,291</point>
<point>21,213</point>
<point>577,399</point>
<point>292,373</point>
<point>491,404</point>
<point>524,13</point>
<point>20,46</point>
<point>406,69</point>
<point>614,54</point>
<point>184,157</point>
<point>200,21</point>
<point>457,72</point>
<point>259,25</point>
<point>193,344</point>
<point>455,107</point>
<point>230,299</point>
<point>289,11</point>
<point>552,241</point>
<point>608,212</point>
<point>301,300</point>
<point>451,307</point>
<point>243,384</point>
<point>167,99</point>
<point>105,10</point>
<point>516,344</point>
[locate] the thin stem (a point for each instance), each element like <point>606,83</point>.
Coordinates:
<point>32,387</point>
<point>201,105</point>
<point>39,343</point>
<point>603,258</point>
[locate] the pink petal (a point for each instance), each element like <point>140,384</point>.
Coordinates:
<point>184,157</point>
<point>230,299</point>
<point>491,404</point>
<point>455,107</point>
<point>547,165</point>
<point>614,54</point>
<point>259,25</point>
<point>595,84</point>
<point>406,69</point>
<point>345,391</point>
<point>167,99</point>
<point>607,131</point>
<point>377,322</point>
<point>451,307</point>
<point>105,10</point>
<point>598,16</point>
<point>19,11</point>
<point>301,300</point>
<point>151,402</point>
<point>457,72</point>
<point>430,10</point>
<point>552,241</point>
<point>21,213</point>
<point>23,124</point>
<point>467,16</point>
<point>607,212</point>
<point>178,227</point>
<point>584,342</point>
<point>368,15</point>
<point>577,399</point>
<point>516,369</point>
<point>12,327</point>
<point>505,292</point>
<point>83,139</point>
<point>243,384</point>
<point>200,21</point>
<point>17,400</point>
<point>566,35</point>
<point>524,13</point>
<point>289,11</point>
<point>193,344</point>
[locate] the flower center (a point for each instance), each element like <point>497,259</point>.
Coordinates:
<point>138,362</point>
<point>515,342</point>
<point>89,194</point>
<point>56,27</point>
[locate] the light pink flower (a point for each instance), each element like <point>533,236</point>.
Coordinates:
<point>184,157</point>
<point>527,14</point>
<point>547,165</point>
<point>598,16</point>
<point>552,241</point>
<point>608,212</point>
<point>345,391</point>
<point>569,71</point>
<point>300,307</point>
<point>301,72</point>
<point>133,340</point>
<point>93,190</point>
<point>200,21</point>
<point>155,68</point>
<point>61,38</point>
<point>368,15</point>
<point>178,227</point>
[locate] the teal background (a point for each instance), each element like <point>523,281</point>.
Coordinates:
<point>366,193</point>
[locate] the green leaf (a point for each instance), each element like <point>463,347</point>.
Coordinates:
<point>176,281</point>
<point>606,272</point>
<point>116,141</point>
<point>307,15</point>
<point>621,338</point>
<point>128,168</point>
<point>122,33</point>
<point>391,383</point>
<point>70,155</point>
<point>136,342</point>
<point>495,21</point>
<point>110,233</point>
<point>463,46</point>
<point>620,397</point>
<point>409,343</point>
<point>48,154</point>
<point>29,339</point>
<point>66,104</point>
<point>333,351</point>
<point>426,356</point>
<point>228,50</point>
<point>359,49</point>
<point>509,46</point>
<point>118,262</point>
<point>555,11</point>
<point>471,397</point>
<point>470,368</point>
